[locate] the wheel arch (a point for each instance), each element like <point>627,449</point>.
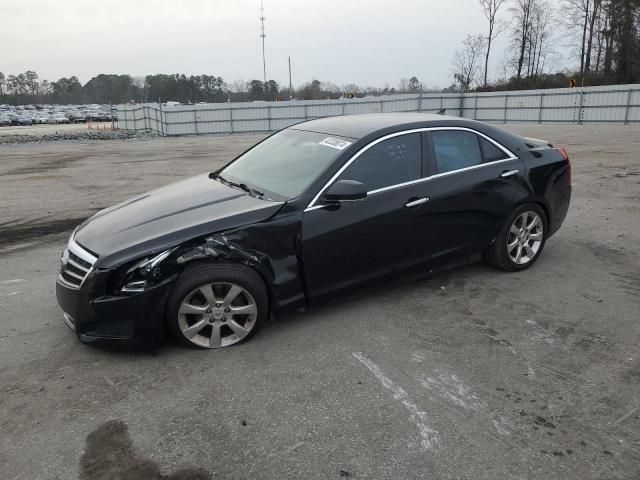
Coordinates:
<point>540,203</point>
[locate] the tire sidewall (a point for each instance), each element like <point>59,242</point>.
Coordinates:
<point>200,274</point>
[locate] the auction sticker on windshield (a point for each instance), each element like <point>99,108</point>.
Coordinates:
<point>336,143</point>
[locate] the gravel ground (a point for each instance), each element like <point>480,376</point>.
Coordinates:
<point>471,373</point>
<point>47,129</point>
<point>73,132</point>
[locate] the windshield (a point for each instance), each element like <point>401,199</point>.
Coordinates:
<point>286,163</point>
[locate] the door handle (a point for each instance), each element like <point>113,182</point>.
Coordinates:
<point>415,203</point>
<point>509,173</point>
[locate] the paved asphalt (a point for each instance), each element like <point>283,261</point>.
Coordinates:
<point>468,374</point>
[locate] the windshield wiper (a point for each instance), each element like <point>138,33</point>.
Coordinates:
<point>243,186</point>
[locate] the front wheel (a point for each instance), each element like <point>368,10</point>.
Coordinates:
<point>521,240</point>
<point>215,306</point>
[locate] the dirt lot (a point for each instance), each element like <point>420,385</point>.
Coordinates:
<point>472,373</point>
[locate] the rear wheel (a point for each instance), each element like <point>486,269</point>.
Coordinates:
<point>215,306</point>
<point>521,240</point>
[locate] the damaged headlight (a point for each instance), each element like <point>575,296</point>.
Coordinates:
<point>139,276</point>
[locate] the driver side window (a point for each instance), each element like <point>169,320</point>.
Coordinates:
<point>390,162</point>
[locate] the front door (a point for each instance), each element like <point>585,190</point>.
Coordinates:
<point>352,242</point>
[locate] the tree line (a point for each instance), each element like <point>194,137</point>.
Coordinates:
<point>603,36</point>
<point>28,88</point>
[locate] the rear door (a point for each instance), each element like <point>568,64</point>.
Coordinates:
<point>471,188</point>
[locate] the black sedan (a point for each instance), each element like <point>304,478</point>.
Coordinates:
<point>316,207</point>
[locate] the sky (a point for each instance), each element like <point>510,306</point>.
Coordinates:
<point>367,42</point>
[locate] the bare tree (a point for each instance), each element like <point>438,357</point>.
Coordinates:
<point>521,12</point>
<point>601,38</point>
<point>540,46</point>
<point>490,9</point>
<point>595,14</point>
<point>506,66</point>
<point>466,62</point>
<point>581,16</point>
<point>238,86</point>
<point>577,18</point>
<point>351,89</point>
<point>332,90</point>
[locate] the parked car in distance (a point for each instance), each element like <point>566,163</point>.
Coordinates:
<point>24,119</point>
<point>20,119</point>
<point>317,207</point>
<point>75,116</point>
<point>15,118</point>
<point>92,115</point>
<point>57,118</point>
<point>5,121</point>
<point>40,117</point>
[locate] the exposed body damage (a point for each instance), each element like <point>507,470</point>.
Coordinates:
<point>272,248</point>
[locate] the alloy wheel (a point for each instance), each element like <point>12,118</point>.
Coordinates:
<point>525,238</point>
<point>217,315</point>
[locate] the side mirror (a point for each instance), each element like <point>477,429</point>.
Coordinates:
<point>345,191</point>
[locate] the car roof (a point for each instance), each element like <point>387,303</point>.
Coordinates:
<point>358,126</point>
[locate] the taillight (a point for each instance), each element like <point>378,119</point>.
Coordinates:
<point>565,155</point>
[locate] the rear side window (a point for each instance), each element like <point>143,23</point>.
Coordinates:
<point>490,152</point>
<point>455,150</point>
<point>391,162</point>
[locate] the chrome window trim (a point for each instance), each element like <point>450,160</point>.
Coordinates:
<point>511,156</point>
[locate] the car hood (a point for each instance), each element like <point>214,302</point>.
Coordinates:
<point>167,217</point>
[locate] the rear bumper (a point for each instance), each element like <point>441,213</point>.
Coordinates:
<point>96,316</point>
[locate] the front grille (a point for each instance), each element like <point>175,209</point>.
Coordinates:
<point>76,265</point>
<point>79,261</point>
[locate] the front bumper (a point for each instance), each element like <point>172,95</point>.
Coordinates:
<point>95,315</point>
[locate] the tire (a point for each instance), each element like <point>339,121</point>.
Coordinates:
<point>200,309</point>
<point>517,247</point>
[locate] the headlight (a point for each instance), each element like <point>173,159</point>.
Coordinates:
<point>138,277</point>
<point>136,286</point>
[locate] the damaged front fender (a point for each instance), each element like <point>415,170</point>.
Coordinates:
<point>271,248</point>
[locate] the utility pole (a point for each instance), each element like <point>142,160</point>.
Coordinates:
<point>262,35</point>
<point>290,85</point>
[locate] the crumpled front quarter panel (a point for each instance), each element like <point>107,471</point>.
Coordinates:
<point>271,247</point>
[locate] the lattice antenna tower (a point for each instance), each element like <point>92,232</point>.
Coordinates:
<point>263,35</point>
